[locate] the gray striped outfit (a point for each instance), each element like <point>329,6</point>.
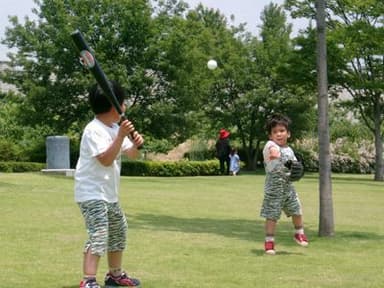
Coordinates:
<point>106,226</point>
<point>279,192</point>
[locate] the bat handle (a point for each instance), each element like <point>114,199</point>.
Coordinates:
<point>130,136</point>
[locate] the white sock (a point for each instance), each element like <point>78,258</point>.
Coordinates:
<point>299,231</point>
<point>115,271</point>
<point>269,239</point>
<point>89,277</point>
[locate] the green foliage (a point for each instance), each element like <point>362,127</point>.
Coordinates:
<point>355,35</point>
<point>346,156</point>
<point>200,151</point>
<point>170,169</point>
<point>157,145</point>
<point>343,125</point>
<point>12,166</point>
<point>52,80</point>
<point>248,89</point>
<point>158,50</point>
<point>10,151</point>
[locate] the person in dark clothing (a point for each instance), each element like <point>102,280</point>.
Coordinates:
<point>223,149</point>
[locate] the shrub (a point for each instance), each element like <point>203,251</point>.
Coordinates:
<point>170,168</point>
<point>10,151</point>
<point>13,166</point>
<point>346,156</point>
<point>200,151</point>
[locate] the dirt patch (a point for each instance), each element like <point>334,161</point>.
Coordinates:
<point>175,154</point>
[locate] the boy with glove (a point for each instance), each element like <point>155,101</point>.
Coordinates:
<point>282,168</point>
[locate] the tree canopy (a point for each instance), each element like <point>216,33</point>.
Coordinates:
<point>158,50</point>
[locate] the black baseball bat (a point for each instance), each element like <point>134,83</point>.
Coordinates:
<point>89,61</point>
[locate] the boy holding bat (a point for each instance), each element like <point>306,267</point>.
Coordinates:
<point>282,168</point>
<point>97,180</point>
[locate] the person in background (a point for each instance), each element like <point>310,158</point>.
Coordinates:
<point>234,162</point>
<point>223,149</point>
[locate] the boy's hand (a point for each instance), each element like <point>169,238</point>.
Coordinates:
<point>128,130</point>
<point>137,140</point>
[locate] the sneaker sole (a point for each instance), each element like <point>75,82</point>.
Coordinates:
<point>302,244</point>
<point>113,286</point>
<point>270,252</point>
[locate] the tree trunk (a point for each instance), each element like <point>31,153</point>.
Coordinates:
<point>326,223</point>
<point>379,165</point>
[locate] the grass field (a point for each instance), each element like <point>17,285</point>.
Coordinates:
<point>192,232</point>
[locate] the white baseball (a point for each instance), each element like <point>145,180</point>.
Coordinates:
<point>212,64</point>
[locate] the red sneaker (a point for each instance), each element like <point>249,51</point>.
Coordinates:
<point>301,239</point>
<point>269,247</point>
<point>122,280</point>
<point>89,284</point>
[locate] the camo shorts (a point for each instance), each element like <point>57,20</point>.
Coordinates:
<point>279,195</point>
<point>106,226</point>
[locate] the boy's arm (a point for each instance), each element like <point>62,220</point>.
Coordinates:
<point>133,152</point>
<point>274,165</point>
<point>126,128</point>
<point>108,156</point>
<point>274,153</point>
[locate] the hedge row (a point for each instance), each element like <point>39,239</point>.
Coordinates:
<point>135,168</point>
<point>170,168</point>
<point>346,156</point>
<point>196,168</point>
<point>13,166</point>
<point>342,164</point>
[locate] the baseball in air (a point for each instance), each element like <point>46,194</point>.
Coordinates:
<point>212,64</point>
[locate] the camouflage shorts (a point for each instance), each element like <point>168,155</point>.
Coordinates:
<point>106,226</point>
<point>278,197</point>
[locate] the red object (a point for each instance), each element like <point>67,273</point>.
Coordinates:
<point>224,134</point>
<point>301,239</point>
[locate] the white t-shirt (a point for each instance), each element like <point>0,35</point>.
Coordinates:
<point>286,153</point>
<point>94,181</point>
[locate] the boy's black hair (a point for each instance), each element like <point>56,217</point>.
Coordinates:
<point>97,100</point>
<point>277,119</point>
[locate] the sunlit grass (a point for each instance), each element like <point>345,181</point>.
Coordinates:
<point>193,232</point>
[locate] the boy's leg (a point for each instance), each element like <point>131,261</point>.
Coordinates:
<point>271,211</point>
<point>293,208</point>
<point>90,264</point>
<point>300,236</point>
<point>115,259</point>
<point>95,217</point>
<point>269,244</point>
<point>117,241</point>
<point>270,227</point>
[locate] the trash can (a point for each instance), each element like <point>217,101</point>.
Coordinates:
<point>57,148</point>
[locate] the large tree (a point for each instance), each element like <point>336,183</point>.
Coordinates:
<point>326,222</point>
<point>46,68</point>
<point>250,87</point>
<point>154,51</point>
<point>357,28</point>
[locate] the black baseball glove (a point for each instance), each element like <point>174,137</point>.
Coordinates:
<point>296,169</point>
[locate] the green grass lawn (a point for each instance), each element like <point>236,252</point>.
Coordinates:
<point>193,232</point>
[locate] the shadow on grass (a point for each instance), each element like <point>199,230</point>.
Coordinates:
<point>261,252</point>
<point>243,229</point>
<point>234,228</point>
<point>358,235</point>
